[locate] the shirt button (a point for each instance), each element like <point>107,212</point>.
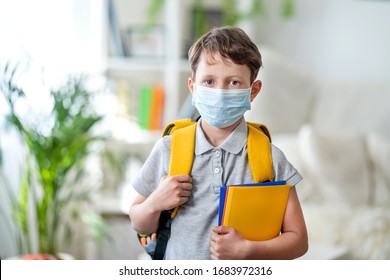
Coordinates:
<point>216,170</point>
<point>217,153</point>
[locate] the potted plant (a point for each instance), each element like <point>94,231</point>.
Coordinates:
<point>50,197</point>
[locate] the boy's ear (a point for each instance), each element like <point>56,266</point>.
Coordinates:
<point>256,87</point>
<point>191,85</point>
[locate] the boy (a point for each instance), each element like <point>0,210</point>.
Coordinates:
<point>224,64</point>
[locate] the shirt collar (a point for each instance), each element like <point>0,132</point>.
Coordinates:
<point>233,144</point>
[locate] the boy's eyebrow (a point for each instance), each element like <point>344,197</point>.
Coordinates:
<point>240,77</point>
<point>231,77</point>
<point>211,75</point>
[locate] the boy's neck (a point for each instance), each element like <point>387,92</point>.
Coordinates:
<point>216,136</point>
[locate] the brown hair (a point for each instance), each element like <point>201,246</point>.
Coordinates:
<point>231,43</point>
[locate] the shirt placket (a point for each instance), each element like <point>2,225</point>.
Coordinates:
<point>217,169</point>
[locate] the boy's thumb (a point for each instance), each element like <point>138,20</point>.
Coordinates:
<point>221,229</point>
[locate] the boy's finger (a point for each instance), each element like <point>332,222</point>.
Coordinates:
<point>183,178</point>
<point>223,230</point>
<point>185,193</point>
<point>186,186</point>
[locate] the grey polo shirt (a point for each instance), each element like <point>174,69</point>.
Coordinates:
<point>212,168</point>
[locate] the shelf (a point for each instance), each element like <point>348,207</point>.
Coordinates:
<point>140,138</point>
<point>166,70</point>
<point>115,203</point>
<point>109,203</point>
<point>135,64</point>
<point>131,134</point>
<point>127,64</point>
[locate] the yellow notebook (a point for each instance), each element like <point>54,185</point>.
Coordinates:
<point>254,210</point>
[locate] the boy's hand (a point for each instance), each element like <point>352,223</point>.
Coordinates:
<point>227,244</point>
<point>172,191</point>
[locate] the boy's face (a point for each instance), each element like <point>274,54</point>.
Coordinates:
<point>215,72</point>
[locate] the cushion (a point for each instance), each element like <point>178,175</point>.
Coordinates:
<point>337,163</point>
<point>325,233</point>
<point>368,233</point>
<point>379,152</point>
<point>351,106</point>
<point>288,143</point>
<point>286,97</point>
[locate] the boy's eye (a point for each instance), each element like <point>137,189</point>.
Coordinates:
<point>208,82</point>
<point>234,83</point>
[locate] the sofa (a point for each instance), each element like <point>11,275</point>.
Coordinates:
<point>337,134</point>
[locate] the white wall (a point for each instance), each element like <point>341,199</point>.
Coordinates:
<point>337,39</point>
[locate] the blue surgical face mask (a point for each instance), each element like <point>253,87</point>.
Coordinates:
<point>221,107</point>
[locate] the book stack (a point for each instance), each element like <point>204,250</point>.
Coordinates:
<point>151,103</point>
<point>256,211</point>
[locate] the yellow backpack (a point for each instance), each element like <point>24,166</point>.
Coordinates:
<point>181,159</point>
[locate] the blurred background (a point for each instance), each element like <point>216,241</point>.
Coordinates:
<point>112,73</point>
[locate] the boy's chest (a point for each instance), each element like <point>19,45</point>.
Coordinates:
<point>216,168</point>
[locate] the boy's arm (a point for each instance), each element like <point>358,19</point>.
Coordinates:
<point>172,191</point>
<point>143,218</point>
<point>291,244</point>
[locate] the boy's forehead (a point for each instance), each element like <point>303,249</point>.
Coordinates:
<point>214,58</point>
<point>214,64</point>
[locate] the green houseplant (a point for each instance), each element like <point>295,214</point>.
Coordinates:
<point>50,198</point>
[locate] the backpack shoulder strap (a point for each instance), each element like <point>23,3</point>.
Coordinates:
<point>262,128</point>
<point>175,125</point>
<point>182,154</point>
<point>182,150</point>
<point>259,152</point>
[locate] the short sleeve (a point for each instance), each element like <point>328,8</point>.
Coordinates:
<point>154,168</point>
<point>283,169</point>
